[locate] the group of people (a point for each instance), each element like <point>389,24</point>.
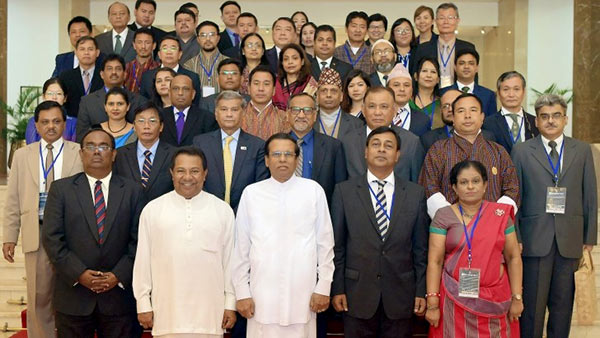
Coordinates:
<point>263,191</point>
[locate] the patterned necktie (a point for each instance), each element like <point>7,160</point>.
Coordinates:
<point>146,168</point>
<point>179,124</point>
<point>228,167</point>
<point>236,38</point>
<point>465,89</point>
<point>118,45</point>
<point>300,163</point>
<point>397,120</point>
<point>323,65</point>
<point>554,154</point>
<point>86,81</point>
<point>514,129</point>
<point>385,80</point>
<point>100,208</point>
<point>49,159</point>
<point>381,210</point>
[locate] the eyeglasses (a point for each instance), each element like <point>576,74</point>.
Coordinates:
<point>253,45</point>
<point>57,94</point>
<point>402,31</point>
<point>286,154</point>
<point>444,18</point>
<point>379,52</point>
<point>229,72</point>
<point>166,49</point>
<point>153,121</point>
<point>305,110</point>
<point>554,116</point>
<point>93,148</point>
<point>185,89</point>
<point>446,106</point>
<point>207,35</point>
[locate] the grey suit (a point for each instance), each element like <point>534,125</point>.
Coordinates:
<point>411,153</point>
<point>91,110</point>
<point>552,243</point>
<point>105,44</point>
<point>346,125</point>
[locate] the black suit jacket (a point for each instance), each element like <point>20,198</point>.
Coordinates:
<point>74,83</point>
<point>157,33</point>
<point>430,49</point>
<point>273,59</point>
<point>419,122</point>
<point>369,270</point>
<point>375,81</point>
<point>497,125</point>
<point>70,237</point>
<point>225,42</point>
<point>160,182</point>
<point>147,83</point>
<point>432,136</point>
<point>197,122</point>
<point>248,165</point>
<point>338,65</point>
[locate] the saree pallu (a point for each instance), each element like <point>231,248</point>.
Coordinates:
<point>486,316</point>
<point>283,93</point>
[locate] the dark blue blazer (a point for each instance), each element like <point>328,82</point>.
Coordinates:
<point>248,166</point>
<point>497,125</point>
<point>375,82</point>
<point>328,163</point>
<point>338,65</point>
<point>273,59</point>
<point>419,122</point>
<point>225,42</point>
<point>487,97</point>
<point>64,62</point>
<point>75,90</point>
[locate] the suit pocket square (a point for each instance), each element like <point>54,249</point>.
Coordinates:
<point>243,148</point>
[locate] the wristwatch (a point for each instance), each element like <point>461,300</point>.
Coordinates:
<point>517,297</point>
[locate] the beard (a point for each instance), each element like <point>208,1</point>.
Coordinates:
<point>384,67</point>
<point>209,50</point>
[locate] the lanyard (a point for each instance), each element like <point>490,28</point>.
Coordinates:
<point>448,131</point>
<point>212,67</point>
<point>404,59</point>
<point>135,78</point>
<point>470,239</point>
<point>387,213</point>
<point>556,169</point>
<point>432,111</point>
<point>406,119</point>
<point>353,63</point>
<point>334,123</point>
<point>44,171</point>
<point>445,63</point>
<point>515,139</point>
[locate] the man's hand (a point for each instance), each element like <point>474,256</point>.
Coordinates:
<point>228,319</point>
<point>146,319</point>
<point>245,307</point>
<point>8,250</point>
<point>420,306</point>
<point>319,303</point>
<point>340,303</point>
<point>109,282</point>
<point>585,247</point>
<point>92,280</point>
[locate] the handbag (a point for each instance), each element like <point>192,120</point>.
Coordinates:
<point>586,304</point>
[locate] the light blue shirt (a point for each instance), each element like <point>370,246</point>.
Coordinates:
<point>140,153</point>
<point>233,144</point>
<point>231,36</point>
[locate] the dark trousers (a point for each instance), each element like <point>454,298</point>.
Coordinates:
<point>378,326</point>
<point>106,326</point>
<point>239,329</point>
<point>548,282</point>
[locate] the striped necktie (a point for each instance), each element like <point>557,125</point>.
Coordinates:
<point>381,211</point>
<point>146,168</point>
<point>228,167</point>
<point>100,208</point>
<point>49,159</point>
<point>300,163</point>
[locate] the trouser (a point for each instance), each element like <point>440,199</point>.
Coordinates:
<point>40,285</point>
<point>378,326</point>
<point>105,326</point>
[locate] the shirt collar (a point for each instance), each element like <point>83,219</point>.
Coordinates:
<point>185,111</point>
<point>505,112</point>
<point>123,34</point>
<point>461,85</point>
<point>388,180</point>
<point>307,138</point>
<point>319,60</point>
<point>105,181</point>
<point>55,146</point>
<point>141,149</point>
<point>235,135</point>
<point>175,69</point>
<point>559,141</point>
<point>90,71</point>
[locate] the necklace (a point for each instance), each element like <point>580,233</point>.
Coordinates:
<point>115,131</point>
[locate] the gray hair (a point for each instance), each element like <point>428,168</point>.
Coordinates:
<point>546,100</point>
<point>509,75</point>
<point>302,94</point>
<point>230,95</point>
<point>447,5</point>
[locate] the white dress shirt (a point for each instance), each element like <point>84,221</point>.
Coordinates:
<point>510,121</point>
<point>404,114</point>
<point>122,35</point>
<point>462,85</point>
<point>185,113</point>
<point>58,164</point>
<point>559,141</point>
<point>175,69</point>
<point>388,190</point>
<point>104,186</point>
<point>320,62</point>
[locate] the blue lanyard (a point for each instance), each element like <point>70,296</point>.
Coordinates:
<point>334,123</point>
<point>556,169</point>
<point>445,63</point>
<point>515,139</point>
<point>470,239</point>
<point>212,67</point>
<point>44,171</point>
<point>388,212</point>
<point>448,131</point>
<point>404,59</point>
<point>406,119</point>
<point>353,63</point>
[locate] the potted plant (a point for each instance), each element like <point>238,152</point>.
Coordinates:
<point>17,118</point>
<point>553,89</point>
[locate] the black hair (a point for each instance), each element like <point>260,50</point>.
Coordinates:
<point>470,51</point>
<point>190,151</point>
<point>413,40</point>
<point>436,65</point>
<point>154,95</point>
<point>188,5</point>
<point>170,37</point>
<point>346,104</point>
<point>247,15</point>
<point>207,23</point>
<point>304,72</point>
<point>263,58</point>
<point>463,96</point>
<point>47,105</point>
<point>283,18</point>
<point>117,91</point>
<point>356,14</point>
<point>383,130</point>
<point>378,17</point>
<point>227,3</point>
<point>86,38</point>
<point>149,2</point>
<point>229,61</point>
<point>96,128</point>
<point>80,19</point>
<point>184,10</point>
<point>113,57</point>
<point>148,105</point>
<point>325,28</point>
<point>263,69</point>
<point>299,12</point>
<point>302,29</point>
<point>282,136</point>
<point>143,30</point>
<point>54,80</point>
<point>466,164</point>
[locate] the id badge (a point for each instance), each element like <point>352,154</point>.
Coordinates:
<point>207,91</point>
<point>468,283</point>
<point>42,204</point>
<point>556,200</point>
<point>445,81</point>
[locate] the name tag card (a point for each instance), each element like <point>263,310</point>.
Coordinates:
<point>207,91</point>
<point>445,81</point>
<point>468,283</point>
<point>556,200</point>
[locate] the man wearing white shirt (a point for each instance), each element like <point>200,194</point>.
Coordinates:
<point>407,118</point>
<point>118,40</point>
<point>195,228</point>
<point>324,49</point>
<point>283,258</point>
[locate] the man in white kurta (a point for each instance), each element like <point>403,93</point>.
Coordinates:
<point>181,273</point>
<point>282,265</point>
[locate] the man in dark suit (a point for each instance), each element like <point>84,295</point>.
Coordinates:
<point>169,54</point>
<point>380,229</point>
<point>467,65</point>
<point>90,235</point>
<point>147,160</point>
<point>554,226</point>
<point>446,20</point>
<point>85,78</point>
<point>246,23</point>
<point>230,78</point>
<point>512,124</point>
<point>324,48</point>
<point>144,13</point>
<point>245,154</point>
<point>78,26</point>
<point>118,40</point>
<point>383,57</point>
<point>379,111</point>
<point>413,120</point>
<point>91,108</point>
<point>183,120</point>
<point>230,10</point>
<point>284,32</point>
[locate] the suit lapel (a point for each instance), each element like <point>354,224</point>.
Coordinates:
<point>169,119</point>
<point>503,126</point>
<point>128,43</point>
<point>159,161</point>
<point>397,203</point>
<point>133,162</point>
<point>316,69</point>
<point>84,195</point>
<point>365,198</point>
<point>318,154</point>
<point>190,122</point>
<point>33,161</point>
<point>540,154</point>
<point>217,154</point>
<point>240,157</point>
<point>568,155</point>
<point>69,158</point>
<point>115,195</point>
